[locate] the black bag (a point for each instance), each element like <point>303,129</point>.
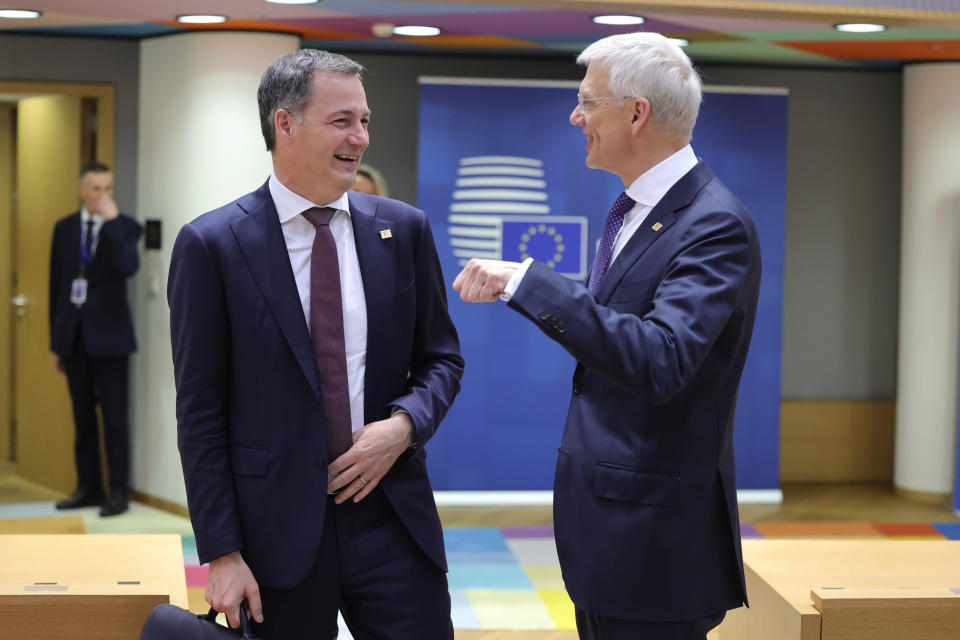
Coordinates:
<point>170,622</point>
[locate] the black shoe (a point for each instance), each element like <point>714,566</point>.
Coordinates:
<point>116,503</point>
<point>82,497</point>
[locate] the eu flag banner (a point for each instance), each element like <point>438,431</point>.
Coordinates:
<point>501,175</point>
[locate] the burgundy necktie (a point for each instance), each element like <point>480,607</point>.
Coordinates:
<point>620,207</point>
<point>326,332</point>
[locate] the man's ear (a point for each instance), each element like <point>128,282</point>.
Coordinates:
<point>641,112</point>
<point>283,123</point>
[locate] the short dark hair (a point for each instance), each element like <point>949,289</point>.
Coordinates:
<point>93,167</point>
<point>286,84</point>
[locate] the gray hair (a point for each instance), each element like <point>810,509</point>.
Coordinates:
<point>286,84</point>
<point>648,65</point>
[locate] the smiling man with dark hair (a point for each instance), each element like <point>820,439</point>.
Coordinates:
<point>314,359</point>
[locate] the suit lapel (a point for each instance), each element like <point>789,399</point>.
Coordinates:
<point>260,238</point>
<point>656,224</point>
<point>377,257</point>
<point>71,252</point>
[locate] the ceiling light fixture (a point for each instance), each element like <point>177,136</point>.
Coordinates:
<point>19,14</point>
<point>856,27</point>
<point>201,19</point>
<point>416,30</point>
<point>680,42</point>
<point>619,20</point>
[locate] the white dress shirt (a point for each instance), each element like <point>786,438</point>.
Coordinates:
<point>646,191</point>
<point>85,217</point>
<point>298,234</point>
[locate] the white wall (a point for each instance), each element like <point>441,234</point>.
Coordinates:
<point>199,147</point>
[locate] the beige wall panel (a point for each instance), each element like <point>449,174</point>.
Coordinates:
<point>836,440</point>
<point>6,267</point>
<point>48,161</point>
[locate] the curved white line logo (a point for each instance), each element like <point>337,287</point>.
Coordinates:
<point>500,210</point>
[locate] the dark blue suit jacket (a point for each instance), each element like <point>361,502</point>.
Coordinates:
<point>249,408</point>
<point>104,320</point>
<point>645,503</point>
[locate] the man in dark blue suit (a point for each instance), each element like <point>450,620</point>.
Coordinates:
<point>645,505</point>
<point>93,254</point>
<point>314,359</point>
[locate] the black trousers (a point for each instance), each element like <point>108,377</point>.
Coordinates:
<point>594,627</point>
<point>100,380</point>
<point>372,571</point>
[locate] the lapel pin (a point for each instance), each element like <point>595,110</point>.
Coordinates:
<point>385,234</point>
<point>657,226</point>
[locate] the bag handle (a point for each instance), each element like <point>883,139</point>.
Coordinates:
<point>244,630</point>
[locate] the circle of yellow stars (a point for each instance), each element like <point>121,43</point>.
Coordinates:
<point>543,229</point>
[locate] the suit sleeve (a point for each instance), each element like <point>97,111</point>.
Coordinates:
<point>118,241</point>
<point>436,364</point>
<point>655,354</point>
<point>55,275</point>
<point>199,332</point>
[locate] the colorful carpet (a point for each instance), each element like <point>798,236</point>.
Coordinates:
<point>500,578</point>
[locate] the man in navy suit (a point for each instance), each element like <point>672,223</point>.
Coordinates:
<point>645,506</point>
<point>94,252</point>
<point>314,359</point>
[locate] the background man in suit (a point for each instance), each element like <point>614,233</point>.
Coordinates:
<point>301,313</point>
<point>645,496</point>
<point>91,333</point>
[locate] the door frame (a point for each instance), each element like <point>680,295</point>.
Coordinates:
<point>105,95</point>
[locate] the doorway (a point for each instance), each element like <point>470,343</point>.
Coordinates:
<point>47,132</point>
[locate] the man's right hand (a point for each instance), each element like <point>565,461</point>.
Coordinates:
<point>229,582</point>
<point>58,364</point>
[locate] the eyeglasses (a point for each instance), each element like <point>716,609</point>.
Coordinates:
<point>582,102</point>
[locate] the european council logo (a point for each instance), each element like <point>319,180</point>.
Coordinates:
<point>500,211</point>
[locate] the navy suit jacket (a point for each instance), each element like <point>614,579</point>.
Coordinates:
<point>104,320</point>
<point>249,409</point>
<point>645,503</point>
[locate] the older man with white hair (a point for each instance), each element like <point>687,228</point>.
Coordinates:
<point>645,492</point>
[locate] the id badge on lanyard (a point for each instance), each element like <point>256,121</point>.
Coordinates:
<point>78,290</point>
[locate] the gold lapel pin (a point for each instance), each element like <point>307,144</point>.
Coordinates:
<point>385,234</point>
<point>657,226</point>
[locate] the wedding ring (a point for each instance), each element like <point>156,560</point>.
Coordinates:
<point>362,479</point>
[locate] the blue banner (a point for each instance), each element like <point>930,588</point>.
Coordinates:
<point>502,175</point>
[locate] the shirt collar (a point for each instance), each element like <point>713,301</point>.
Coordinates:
<point>289,204</point>
<point>650,187</point>
<point>86,216</point>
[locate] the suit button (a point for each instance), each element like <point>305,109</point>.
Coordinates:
<point>561,327</point>
<point>577,388</point>
<point>543,315</point>
<point>321,463</point>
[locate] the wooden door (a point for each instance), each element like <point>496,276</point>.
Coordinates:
<point>48,163</point>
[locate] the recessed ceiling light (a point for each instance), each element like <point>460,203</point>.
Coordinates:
<point>201,19</point>
<point>680,42</point>
<point>619,20</point>
<point>19,14</point>
<point>860,27</point>
<point>416,30</point>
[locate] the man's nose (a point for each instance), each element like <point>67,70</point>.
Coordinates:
<point>360,137</point>
<point>576,116</point>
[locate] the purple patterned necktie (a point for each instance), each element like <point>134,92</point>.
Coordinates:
<point>326,332</point>
<point>621,205</point>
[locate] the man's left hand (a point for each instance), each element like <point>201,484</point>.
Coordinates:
<point>484,280</point>
<point>375,448</point>
<point>106,208</point>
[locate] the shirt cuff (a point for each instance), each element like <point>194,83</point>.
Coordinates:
<point>514,282</point>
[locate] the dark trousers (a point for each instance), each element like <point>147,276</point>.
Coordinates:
<point>99,380</point>
<point>593,627</point>
<point>370,569</point>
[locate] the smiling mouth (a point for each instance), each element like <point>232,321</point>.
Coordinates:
<point>351,158</point>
